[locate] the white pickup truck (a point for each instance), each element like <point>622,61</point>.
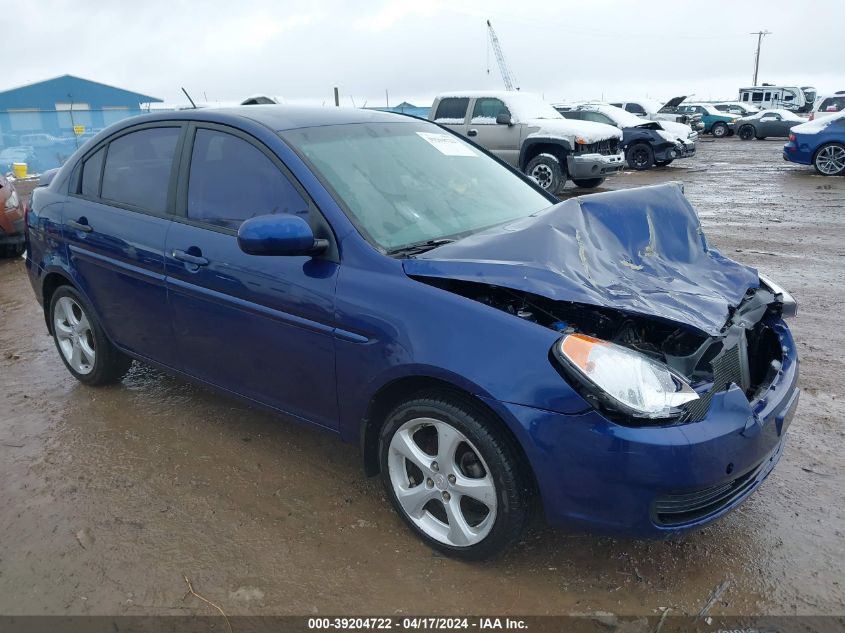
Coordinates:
<point>529,134</point>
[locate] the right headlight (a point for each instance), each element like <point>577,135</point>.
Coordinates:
<point>626,380</point>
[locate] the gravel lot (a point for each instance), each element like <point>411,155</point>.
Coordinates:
<point>109,497</point>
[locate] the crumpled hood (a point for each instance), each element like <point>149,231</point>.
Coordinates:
<point>570,128</point>
<point>639,250</point>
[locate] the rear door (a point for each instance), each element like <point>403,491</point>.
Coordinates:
<point>499,138</point>
<point>115,223</point>
<point>258,326</point>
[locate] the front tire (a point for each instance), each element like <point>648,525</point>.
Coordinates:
<point>719,130</point>
<point>83,347</point>
<point>640,157</point>
<point>588,183</point>
<point>746,132</point>
<point>546,171</point>
<point>830,160</point>
<point>453,476</point>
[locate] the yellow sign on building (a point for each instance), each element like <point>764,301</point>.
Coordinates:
<point>79,130</point>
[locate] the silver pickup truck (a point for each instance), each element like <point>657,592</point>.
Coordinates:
<point>529,134</point>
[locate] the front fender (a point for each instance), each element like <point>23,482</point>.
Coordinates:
<point>532,141</point>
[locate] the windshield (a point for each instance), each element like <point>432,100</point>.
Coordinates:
<point>410,182</point>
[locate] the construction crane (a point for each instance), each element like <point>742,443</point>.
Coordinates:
<point>507,77</point>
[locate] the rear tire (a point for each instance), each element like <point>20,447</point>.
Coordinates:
<point>640,157</point>
<point>830,160</point>
<point>719,129</point>
<point>588,183</point>
<point>83,346</point>
<point>746,132</point>
<point>546,171</point>
<point>436,448</point>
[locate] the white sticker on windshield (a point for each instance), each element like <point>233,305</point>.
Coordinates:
<point>447,144</point>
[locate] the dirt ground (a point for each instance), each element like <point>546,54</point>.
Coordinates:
<point>108,497</point>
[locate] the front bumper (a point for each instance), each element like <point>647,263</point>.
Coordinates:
<point>673,151</point>
<point>656,481</point>
<point>593,165</point>
<point>13,232</point>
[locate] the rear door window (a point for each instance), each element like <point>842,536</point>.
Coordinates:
<point>91,171</point>
<point>138,167</point>
<point>452,110</point>
<point>231,180</point>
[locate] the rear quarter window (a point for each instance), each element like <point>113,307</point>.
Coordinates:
<point>91,170</point>
<point>452,110</point>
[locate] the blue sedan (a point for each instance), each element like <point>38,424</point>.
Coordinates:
<point>487,346</point>
<point>820,143</point>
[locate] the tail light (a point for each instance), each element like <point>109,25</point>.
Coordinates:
<point>812,115</point>
<point>791,137</point>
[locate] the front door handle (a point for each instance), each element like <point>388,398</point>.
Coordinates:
<point>80,225</point>
<point>472,132</point>
<point>196,260</point>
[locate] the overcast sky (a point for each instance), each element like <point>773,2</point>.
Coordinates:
<point>299,50</point>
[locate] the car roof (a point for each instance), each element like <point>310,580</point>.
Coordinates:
<point>493,94</point>
<point>278,117</point>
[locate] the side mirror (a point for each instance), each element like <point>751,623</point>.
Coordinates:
<point>503,118</point>
<point>279,234</point>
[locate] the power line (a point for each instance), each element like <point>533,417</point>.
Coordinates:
<point>760,35</point>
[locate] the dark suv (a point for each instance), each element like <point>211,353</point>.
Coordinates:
<point>645,143</point>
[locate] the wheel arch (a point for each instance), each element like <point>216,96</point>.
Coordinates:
<point>557,147</point>
<point>400,389</point>
<point>52,281</point>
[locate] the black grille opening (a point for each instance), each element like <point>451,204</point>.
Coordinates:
<point>673,510</point>
<point>606,147</point>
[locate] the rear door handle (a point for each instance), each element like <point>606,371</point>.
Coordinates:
<point>80,225</point>
<point>472,132</point>
<point>196,260</point>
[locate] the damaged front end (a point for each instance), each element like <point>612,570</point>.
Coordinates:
<point>653,323</point>
<point>638,370</point>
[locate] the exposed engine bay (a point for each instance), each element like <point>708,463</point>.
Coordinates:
<point>747,352</point>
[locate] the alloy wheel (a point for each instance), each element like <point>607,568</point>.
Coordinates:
<point>441,482</point>
<point>831,160</point>
<point>543,175</point>
<point>74,335</point>
<point>640,158</point>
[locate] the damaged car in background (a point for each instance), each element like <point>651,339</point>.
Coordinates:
<point>645,143</point>
<point>529,134</point>
<point>488,347</point>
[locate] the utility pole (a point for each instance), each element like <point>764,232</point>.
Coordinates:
<point>336,98</point>
<point>760,35</point>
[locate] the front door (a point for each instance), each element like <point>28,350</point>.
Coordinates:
<point>501,139</point>
<point>115,224</point>
<point>259,326</point>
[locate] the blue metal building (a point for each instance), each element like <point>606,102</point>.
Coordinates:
<point>42,123</point>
